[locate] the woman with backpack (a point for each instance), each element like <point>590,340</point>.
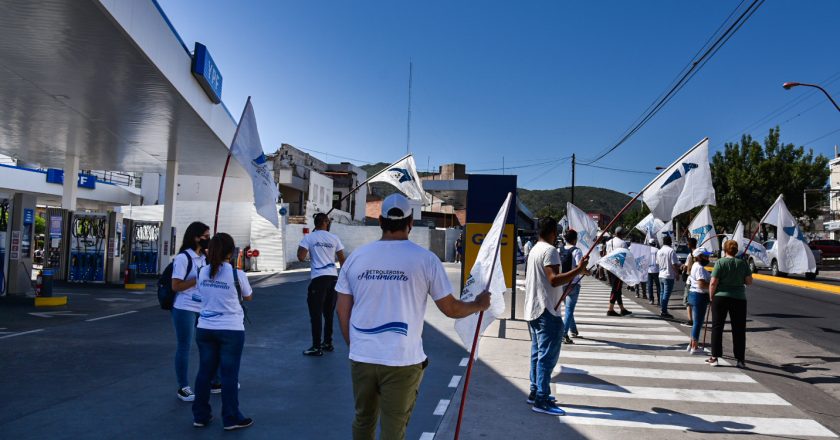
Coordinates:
<point>221,334</point>
<point>187,305</point>
<point>570,256</point>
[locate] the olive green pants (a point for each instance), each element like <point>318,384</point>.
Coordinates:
<point>386,392</point>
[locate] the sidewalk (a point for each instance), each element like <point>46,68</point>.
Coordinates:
<point>627,375</point>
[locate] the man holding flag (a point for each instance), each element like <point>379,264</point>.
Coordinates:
<point>543,289</point>
<point>383,287</point>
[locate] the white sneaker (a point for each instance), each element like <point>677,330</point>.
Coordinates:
<point>712,362</point>
<point>696,351</point>
<point>186,394</point>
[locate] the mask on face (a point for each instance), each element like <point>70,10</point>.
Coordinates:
<point>204,243</point>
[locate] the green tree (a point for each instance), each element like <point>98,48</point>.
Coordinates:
<point>40,225</point>
<point>748,177</point>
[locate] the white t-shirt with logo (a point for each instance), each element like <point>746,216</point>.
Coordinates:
<point>390,281</point>
<point>698,272</point>
<point>189,299</point>
<point>616,243</point>
<point>322,246</point>
<point>221,309</point>
<point>539,294</point>
<point>666,258</point>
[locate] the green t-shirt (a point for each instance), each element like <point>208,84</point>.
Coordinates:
<point>730,273</point>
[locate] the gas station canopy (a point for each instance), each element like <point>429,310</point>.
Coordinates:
<point>108,81</point>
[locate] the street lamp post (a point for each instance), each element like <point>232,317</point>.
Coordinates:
<point>789,85</point>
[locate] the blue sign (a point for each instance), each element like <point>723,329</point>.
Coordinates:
<point>86,181</point>
<point>283,211</point>
<point>206,72</point>
<point>55,175</point>
<point>28,216</point>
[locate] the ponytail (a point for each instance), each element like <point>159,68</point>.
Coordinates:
<point>221,245</point>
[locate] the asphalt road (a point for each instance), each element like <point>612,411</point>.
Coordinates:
<point>101,367</point>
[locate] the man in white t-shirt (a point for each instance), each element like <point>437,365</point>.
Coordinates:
<point>543,281</point>
<point>383,288</point>
<point>323,247</point>
<point>617,242</point>
<point>669,266</point>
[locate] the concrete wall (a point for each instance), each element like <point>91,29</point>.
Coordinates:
<point>452,235</point>
<point>320,191</point>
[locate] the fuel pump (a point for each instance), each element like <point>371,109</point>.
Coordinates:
<point>113,256</point>
<point>4,227</point>
<point>55,248</point>
<point>144,246</point>
<point>88,238</point>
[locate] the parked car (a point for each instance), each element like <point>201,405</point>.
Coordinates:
<point>829,248</point>
<point>770,245</point>
<point>682,252</point>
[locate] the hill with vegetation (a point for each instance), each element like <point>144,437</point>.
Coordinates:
<point>544,202</point>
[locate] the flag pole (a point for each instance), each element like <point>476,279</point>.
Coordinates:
<point>475,337</point>
<point>366,181</point>
<point>628,205</point>
<point>227,163</point>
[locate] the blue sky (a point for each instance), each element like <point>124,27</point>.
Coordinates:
<point>529,81</point>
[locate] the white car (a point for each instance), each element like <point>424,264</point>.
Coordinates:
<point>770,245</point>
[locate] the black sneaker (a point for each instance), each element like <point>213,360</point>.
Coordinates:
<point>327,346</point>
<point>312,351</point>
<point>215,388</point>
<point>666,315</point>
<point>568,340</point>
<point>626,312</point>
<point>532,396</point>
<point>575,334</point>
<point>612,313</point>
<point>547,407</point>
<point>204,423</point>
<point>244,423</point>
<point>186,394</point>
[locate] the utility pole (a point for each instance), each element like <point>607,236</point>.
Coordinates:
<point>573,178</point>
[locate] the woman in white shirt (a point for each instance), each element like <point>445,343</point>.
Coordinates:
<point>698,296</point>
<point>220,334</point>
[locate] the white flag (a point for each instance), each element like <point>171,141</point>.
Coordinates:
<point>642,255</point>
<point>486,274</point>
<point>621,263</point>
<point>684,185</point>
<point>403,175</point>
<point>668,230</point>
<point>247,149</point>
<point>792,252</point>
<point>587,231</point>
<point>703,229</point>
<point>756,249</point>
<point>650,225</point>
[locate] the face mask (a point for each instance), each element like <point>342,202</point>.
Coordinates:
<point>204,243</point>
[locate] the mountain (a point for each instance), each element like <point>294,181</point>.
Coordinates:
<point>587,198</point>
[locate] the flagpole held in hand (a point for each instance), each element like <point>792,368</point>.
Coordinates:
<point>349,193</point>
<point>227,163</point>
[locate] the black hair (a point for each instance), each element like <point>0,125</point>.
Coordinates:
<point>570,236</point>
<point>221,245</point>
<point>666,240</point>
<point>194,230</point>
<point>390,225</point>
<point>321,219</point>
<point>692,242</point>
<point>547,227</point>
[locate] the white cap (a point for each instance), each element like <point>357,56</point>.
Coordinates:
<point>652,241</point>
<point>396,201</point>
<point>701,251</point>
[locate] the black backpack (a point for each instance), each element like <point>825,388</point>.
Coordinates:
<point>566,259</point>
<point>166,296</point>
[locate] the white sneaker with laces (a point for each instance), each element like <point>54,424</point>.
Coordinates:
<point>186,394</point>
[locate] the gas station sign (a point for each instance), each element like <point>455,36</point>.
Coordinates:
<point>485,195</point>
<point>206,72</point>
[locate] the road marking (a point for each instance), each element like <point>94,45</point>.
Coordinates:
<point>111,316</point>
<point>662,329</point>
<point>615,345</point>
<point>812,285</point>
<point>676,337</point>
<point>21,333</point>
<point>700,423</point>
<point>118,300</point>
<point>440,409</point>
<point>619,319</point>
<point>453,383</point>
<point>602,312</point>
<point>427,436</point>
<point>464,362</point>
<point>650,373</point>
<point>54,314</point>
<point>673,394</point>
<point>682,358</point>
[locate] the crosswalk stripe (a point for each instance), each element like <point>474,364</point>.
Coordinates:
<point>681,358</point>
<point>695,422</point>
<point>602,312</point>
<point>578,342</point>
<point>661,329</point>
<point>602,370</point>
<point>676,337</point>
<point>657,393</point>
<point>623,320</point>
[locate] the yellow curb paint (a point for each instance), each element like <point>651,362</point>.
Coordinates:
<point>50,301</point>
<point>135,286</point>
<point>799,283</point>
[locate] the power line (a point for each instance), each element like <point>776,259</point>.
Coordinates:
<point>335,155</point>
<point>618,169</point>
<point>683,79</point>
<point>542,163</point>
<point>821,137</point>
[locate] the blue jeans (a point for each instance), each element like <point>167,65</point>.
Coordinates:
<point>698,302</point>
<point>184,322</point>
<point>667,288</point>
<point>218,350</point>
<point>571,302</point>
<point>546,332</point>
<point>653,279</point>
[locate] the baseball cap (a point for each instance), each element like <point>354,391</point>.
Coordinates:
<point>399,202</point>
<point>652,241</point>
<point>701,251</point>
<point>619,231</point>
